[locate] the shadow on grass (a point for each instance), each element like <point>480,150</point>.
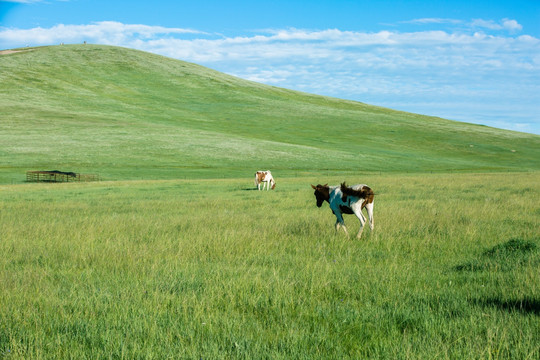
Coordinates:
<point>511,255</point>
<point>526,305</point>
<point>502,257</point>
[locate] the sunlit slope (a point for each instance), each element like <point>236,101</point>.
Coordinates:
<point>129,114</point>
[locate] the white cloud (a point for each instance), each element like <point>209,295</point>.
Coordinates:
<point>505,24</point>
<point>30,1</point>
<point>22,1</point>
<point>486,24</point>
<point>511,25</point>
<point>433,21</point>
<point>105,32</point>
<point>274,44</point>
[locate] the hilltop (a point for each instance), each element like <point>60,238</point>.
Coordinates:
<point>128,114</point>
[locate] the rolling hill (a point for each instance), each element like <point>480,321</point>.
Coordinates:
<point>127,114</point>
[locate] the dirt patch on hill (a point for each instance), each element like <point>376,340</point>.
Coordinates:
<point>7,52</point>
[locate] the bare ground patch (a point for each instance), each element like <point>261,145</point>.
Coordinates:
<point>7,52</point>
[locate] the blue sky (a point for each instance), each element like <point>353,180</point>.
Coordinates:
<point>472,61</point>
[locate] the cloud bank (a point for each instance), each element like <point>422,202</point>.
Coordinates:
<point>483,71</point>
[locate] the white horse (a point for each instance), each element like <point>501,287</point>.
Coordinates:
<point>347,200</point>
<point>266,178</point>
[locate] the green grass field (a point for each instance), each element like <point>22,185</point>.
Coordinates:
<point>212,269</point>
<point>175,255</point>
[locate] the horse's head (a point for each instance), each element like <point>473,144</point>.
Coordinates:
<point>322,193</point>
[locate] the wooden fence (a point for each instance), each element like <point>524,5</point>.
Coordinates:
<point>59,176</point>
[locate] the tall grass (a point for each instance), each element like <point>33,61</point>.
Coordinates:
<point>213,269</point>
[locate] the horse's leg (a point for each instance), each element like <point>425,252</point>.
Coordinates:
<point>360,216</point>
<point>369,208</point>
<point>340,223</point>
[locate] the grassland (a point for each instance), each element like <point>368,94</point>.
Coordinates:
<point>126,114</point>
<point>175,255</point>
<point>211,269</point>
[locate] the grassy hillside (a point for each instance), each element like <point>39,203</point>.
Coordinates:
<point>127,114</point>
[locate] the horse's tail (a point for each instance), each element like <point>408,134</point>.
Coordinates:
<point>370,196</point>
<point>365,193</point>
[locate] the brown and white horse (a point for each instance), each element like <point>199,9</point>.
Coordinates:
<point>266,178</point>
<point>347,200</point>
